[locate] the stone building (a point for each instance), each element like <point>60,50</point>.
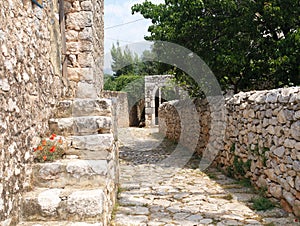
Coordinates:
<point>51,79</point>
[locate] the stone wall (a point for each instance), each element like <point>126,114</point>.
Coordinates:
<point>262,141</point>
<point>30,85</point>
<point>177,121</point>
<point>84,47</point>
<point>121,108</point>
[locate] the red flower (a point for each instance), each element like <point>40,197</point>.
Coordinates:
<point>52,149</point>
<point>39,148</point>
<point>44,157</point>
<point>44,142</point>
<point>34,149</point>
<point>52,136</point>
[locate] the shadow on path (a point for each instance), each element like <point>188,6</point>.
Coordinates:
<point>157,194</point>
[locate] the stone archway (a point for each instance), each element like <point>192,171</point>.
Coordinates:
<point>153,96</point>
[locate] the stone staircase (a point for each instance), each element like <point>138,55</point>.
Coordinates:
<point>81,188</point>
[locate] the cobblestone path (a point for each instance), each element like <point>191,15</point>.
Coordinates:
<point>152,194</point>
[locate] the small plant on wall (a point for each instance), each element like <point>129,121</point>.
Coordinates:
<point>49,149</point>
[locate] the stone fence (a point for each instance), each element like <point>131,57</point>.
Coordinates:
<point>261,139</point>
<point>121,106</point>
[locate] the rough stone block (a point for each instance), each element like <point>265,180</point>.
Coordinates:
<point>85,60</point>
<point>79,20</point>
<point>73,47</point>
<point>64,205</point>
<point>80,74</point>
<point>84,125</point>
<point>295,130</point>
<point>84,107</point>
<point>86,34</point>
<point>97,142</point>
<point>86,46</point>
<point>87,6</point>
<point>86,203</point>
<point>71,35</point>
<point>86,90</point>
<point>75,173</point>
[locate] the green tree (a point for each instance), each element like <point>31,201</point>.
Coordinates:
<point>124,61</point>
<point>247,43</point>
<point>148,66</point>
<point>109,83</point>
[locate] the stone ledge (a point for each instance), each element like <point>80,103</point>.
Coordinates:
<point>84,125</point>
<point>96,142</point>
<point>64,204</point>
<point>75,173</point>
<point>84,107</point>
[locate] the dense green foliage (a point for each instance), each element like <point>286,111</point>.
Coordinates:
<point>248,44</point>
<point>125,62</point>
<point>129,67</point>
<point>120,83</point>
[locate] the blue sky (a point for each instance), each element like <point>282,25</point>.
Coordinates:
<point>118,12</point>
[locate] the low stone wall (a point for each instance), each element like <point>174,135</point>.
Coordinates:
<point>177,121</point>
<point>121,108</point>
<point>262,141</point>
<point>30,86</point>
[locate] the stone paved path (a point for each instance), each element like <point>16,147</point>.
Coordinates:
<point>153,194</point>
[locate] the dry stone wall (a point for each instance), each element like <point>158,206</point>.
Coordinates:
<point>30,85</point>
<point>261,142</point>
<point>177,121</point>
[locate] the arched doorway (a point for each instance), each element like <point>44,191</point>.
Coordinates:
<point>153,97</point>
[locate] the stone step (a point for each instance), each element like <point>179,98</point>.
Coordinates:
<point>64,205</point>
<point>58,223</point>
<point>84,107</point>
<point>71,173</point>
<point>99,146</point>
<point>84,125</point>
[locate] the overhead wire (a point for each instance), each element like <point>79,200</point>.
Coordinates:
<point>120,25</point>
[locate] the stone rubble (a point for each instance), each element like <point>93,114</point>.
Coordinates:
<point>153,194</point>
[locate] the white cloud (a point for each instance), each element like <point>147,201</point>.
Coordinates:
<point>118,12</point>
